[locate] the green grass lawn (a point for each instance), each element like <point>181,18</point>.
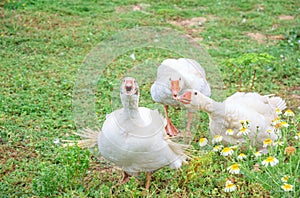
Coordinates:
<point>46,45</point>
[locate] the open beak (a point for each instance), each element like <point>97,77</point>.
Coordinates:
<point>185,98</point>
<point>128,87</point>
<point>175,88</point>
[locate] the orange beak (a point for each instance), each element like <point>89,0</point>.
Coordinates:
<point>186,97</point>
<point>128,86</point>
<point>175,88</point>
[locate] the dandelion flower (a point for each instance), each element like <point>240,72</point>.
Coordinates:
<point>278,111</point>
<point>217,148</point>
<point>203,142</point>
<point>217,138</point>
<point>285,178</point>
<point>234,169</point>
<point>267,142</point>
<point>289,113</point>
<point>270,160</point>
<point>229,186</point>
<point>287,187</point>
<point>284,124</point>
<point>226,151</point>
<point>243,131</point>
<point>290,150</point>
<point>229,132</point>
<point>241,156</point>
<point>257,154</point>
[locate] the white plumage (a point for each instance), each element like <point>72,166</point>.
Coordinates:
<point>255,110</point>
<point>174,76</point>
<point>134,138</point>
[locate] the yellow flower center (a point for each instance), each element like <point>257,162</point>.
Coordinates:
<point>270,159</point>
<point>226,149</point>
<point>287,186</point>
<point>268,141</point>
<point>235,167</point>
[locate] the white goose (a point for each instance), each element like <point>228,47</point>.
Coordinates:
<point>134,138</point>
<point>242,113</point>
<point>174,76</point>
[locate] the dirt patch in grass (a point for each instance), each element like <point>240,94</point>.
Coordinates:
<point>193,26</point>
<point>262,38</point>
<point>286,17</point>
<point>197,21</point>
<point>137,7</point>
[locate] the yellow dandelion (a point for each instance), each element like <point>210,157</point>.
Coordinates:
<point>278,111</point>
<point>229,186</point>
<point>285,178</point>
<point>270,160</point>
<point>267,142</point>
<point>217,148</point>
<point>229,132</point>
<point>289,113</point>
<point>257,154</point>
<point>241,156</point>
<point>203,142</point>
<point>243,131</point>
<point>284,124</point>
<point>217,138</point>
<point>287,187</point>
<point>234,169</point>
<point>226,151</point>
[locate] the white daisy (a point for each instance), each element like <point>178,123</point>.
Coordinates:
<point>278,111</point>
<point>285,178</point>
<point>203,142</point>
<point>229,186</point>
<point>267,142</point>
<point>234,169</point>
<point>243,131</point>
<point>289,113</point>
<point>257,154</point>
<point>217,148</point>
<point>217,138</point>
<point>229,132</point>
<point>226,151</point>
<point>270,160</point>
<point>241,156</point>
<point>287,187</point>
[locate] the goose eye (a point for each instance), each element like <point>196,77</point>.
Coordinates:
<point>179,78</point>
<point>170,79</point>
<point>195,93</point>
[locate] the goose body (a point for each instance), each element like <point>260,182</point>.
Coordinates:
<point>250,111</point>
<point>134,138</point>
<point>173,77</point>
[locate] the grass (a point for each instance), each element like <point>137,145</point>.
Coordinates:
<point>44,44</point>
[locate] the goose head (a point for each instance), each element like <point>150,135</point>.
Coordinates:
<point>129,92</point>
<point>194,99</point>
